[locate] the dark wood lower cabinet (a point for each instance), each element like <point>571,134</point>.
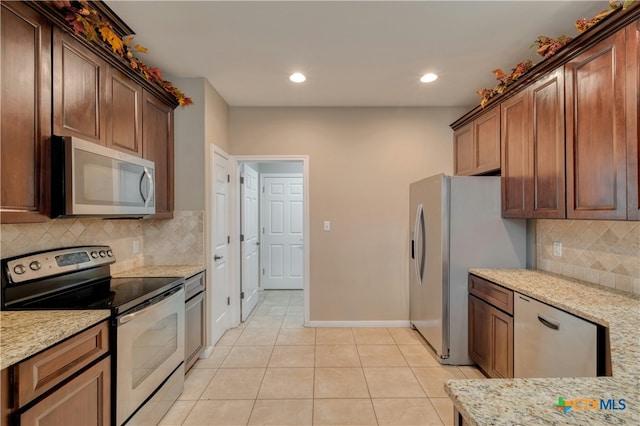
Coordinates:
<point>66,384</point>
<point>490,338</point>
<point>85,400</point>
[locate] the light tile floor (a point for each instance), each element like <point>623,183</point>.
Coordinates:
<point>273,371</point>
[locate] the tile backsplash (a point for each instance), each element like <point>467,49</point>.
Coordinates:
<point>161,242</point>
<point>600,252</point>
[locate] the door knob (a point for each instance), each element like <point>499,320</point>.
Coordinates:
<point>216,257</point>
<point>257,243</point>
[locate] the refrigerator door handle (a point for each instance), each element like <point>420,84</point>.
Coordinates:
<point>420,244</point>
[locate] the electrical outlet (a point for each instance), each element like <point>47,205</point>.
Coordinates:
<point>557,248</point>
<point>327,225</point>
<point>136,246</point>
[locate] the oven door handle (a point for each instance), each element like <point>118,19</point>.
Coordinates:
<point>149,305</point>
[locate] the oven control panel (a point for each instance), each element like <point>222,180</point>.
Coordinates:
<point>53,262</point>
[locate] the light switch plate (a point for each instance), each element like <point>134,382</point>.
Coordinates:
<point>327,225</point>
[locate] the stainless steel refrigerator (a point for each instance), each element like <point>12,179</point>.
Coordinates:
<point>456,225</point>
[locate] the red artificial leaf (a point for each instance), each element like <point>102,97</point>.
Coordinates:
<point>155,74</point>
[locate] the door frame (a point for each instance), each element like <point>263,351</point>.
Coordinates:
<point>235,222</point>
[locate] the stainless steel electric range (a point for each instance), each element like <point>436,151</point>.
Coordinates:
<point>147,321</point>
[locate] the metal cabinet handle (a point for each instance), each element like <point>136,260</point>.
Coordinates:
<point>549,323</point>
<point>216,257</point>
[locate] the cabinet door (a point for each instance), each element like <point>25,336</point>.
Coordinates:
<point>157,136</point>
<point>595,120</point>
<point>517,197</point>
<point>480,333</point>
<point>79,79</point>
<point>6,398</point>
<point>487,142</point>
<point>124,113</point>
<point>501,326</point>
<point>25,69</point>
<point>194,333</point>
<point>633,125</point>
<point>547,118</point>
<point>85,400</point>
<point>463,151</point>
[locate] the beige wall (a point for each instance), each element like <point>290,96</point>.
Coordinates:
<point>206,121</point>
<point>597,251</point>
<point>361,162</point>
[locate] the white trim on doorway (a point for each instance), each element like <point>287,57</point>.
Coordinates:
<point>235,215</point>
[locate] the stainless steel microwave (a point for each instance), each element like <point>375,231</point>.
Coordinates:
<point>92,180</point>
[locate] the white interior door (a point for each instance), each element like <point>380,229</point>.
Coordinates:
<point>283,237</point>
<point>250,277</point>
<point>219,292</point>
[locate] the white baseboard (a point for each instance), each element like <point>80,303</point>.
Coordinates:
<point>357,323</point>
<point>206,352</point>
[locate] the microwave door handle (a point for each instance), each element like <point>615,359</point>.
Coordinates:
<point>147,198</point>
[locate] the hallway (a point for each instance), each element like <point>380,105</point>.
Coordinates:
<point>272,370</point>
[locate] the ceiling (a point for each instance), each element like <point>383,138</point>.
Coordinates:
<point>354,53</point>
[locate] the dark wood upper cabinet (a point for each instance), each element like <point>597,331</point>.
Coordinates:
<point>533,180</point>
<point>633,120</point>
<point>596,131</point>
<point>26,114</point>
<point>477,145</point>
<point>463,151</point>
<point>79,78</point>
<point>124,113</point>
<point>487,142</point>
<point>516,156</point>
<point>548,146</point>
<point>157,136</point>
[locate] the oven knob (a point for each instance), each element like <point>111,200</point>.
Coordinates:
<point>102,253</point>
<point>35,265</point>
<point>19,269</point>
<point>109,253</point>
<point>94,254</point>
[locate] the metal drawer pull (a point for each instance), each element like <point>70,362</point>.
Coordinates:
<point>216,257</point>
<point>549,323</point>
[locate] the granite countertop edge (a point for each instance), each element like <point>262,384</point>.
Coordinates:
<point>27,333</point>
<point>529,401</point>
<point>184,271</point>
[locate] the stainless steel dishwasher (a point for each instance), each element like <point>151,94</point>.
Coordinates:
<point>548,342</point>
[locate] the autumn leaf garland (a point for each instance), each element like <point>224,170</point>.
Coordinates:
<point>86,21</point>
<point>546,47</point>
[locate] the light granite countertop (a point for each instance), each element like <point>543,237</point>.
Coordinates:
<point>531,401</point>
<point>185,271</point>
<point>25,333</point>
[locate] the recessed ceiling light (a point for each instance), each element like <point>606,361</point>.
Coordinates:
<point>429,77</point>
<point>297,77</point>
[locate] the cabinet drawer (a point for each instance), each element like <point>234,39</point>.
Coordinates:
<point>45,370</point>
<point>491,293</point>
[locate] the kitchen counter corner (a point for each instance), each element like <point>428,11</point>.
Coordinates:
<point>533,400</point>
<point>25,333</point>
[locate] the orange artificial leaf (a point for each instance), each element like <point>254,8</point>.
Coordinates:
<point>498,73</point>
<point>140,49</point>
<point>112,39</point>
<point>127,41</point>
